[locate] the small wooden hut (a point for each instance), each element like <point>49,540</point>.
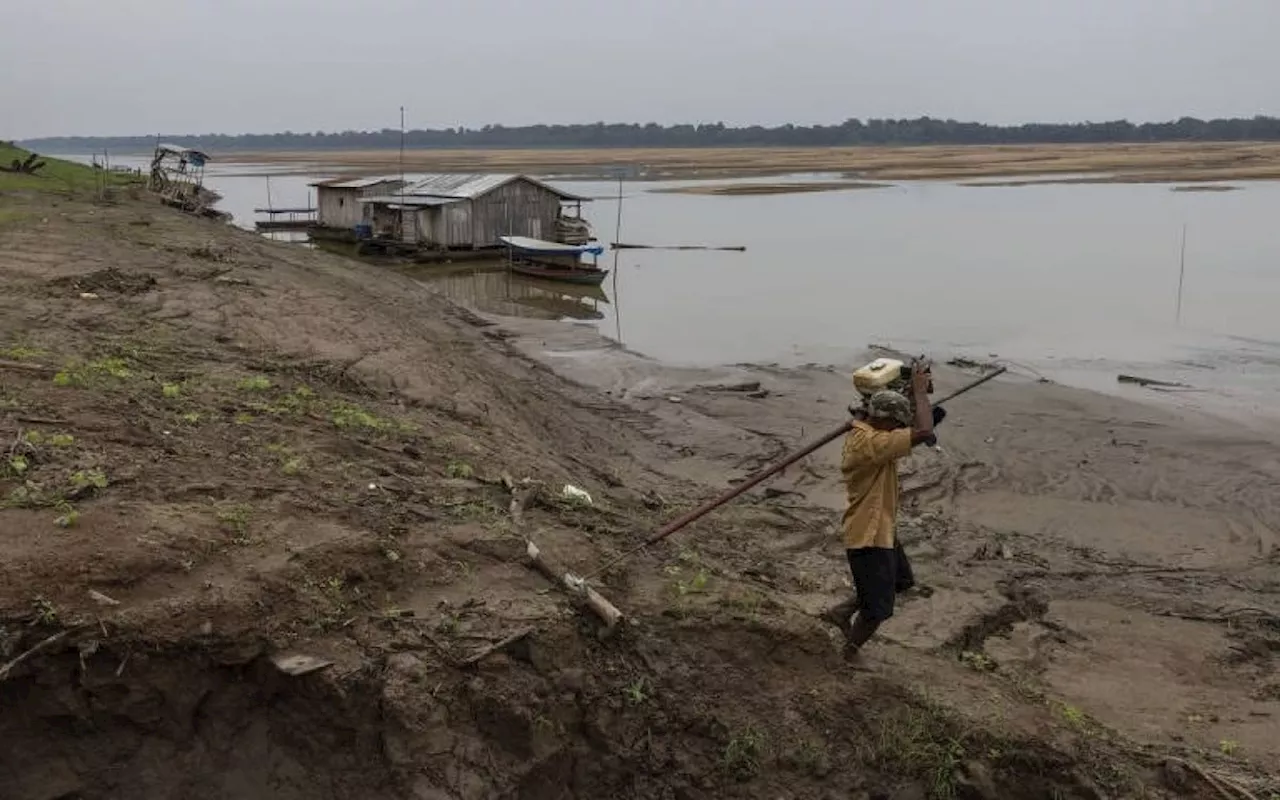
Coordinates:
<point>471,211</point>
<point>338,204</point>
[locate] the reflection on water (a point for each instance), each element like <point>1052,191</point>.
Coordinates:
<point>492,288</point>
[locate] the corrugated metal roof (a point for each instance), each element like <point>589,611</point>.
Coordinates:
<point>409,200</point>
<point>472,185</point>
<point>356,183</point>
<point>181,150</point>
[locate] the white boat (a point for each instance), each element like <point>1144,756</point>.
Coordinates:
<point>526,244</point>
<point>554,261</point>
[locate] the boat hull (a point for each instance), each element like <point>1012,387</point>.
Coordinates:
<point>579,276</point>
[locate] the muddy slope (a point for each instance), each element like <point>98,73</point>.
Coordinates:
<point>221,451</point>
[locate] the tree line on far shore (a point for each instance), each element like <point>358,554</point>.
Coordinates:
<point>921,131</point>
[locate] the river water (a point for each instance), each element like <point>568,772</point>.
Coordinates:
<point>1074,282</point>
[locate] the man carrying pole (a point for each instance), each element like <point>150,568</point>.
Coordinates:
<point>893,423</point>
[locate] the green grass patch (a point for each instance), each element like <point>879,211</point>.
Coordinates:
<point>88,479</point>
<point>333,599</point>
<point>638,692</point>
<point>291,464</point>
<point>921,742</point>
<point>19,352</point>
<point>17,465</point>
<point>45,612</point>
<point>295,403</point>
<point>743,754</point>
<point>28,495</point>
<point>695,585</point>
<point>459,469</point>
<point>12,216</point>
<point>68,516</point>
<point>90,373</point>
<point>254,383</point>
<point>349,415</point>
<point>56,175</point>
<point>235,518</point>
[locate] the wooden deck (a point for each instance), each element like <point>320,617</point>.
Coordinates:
<point>295,219</point>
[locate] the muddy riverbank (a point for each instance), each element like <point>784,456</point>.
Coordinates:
<point>223,451</point>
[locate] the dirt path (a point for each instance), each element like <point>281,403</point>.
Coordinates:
<point>219,451</point>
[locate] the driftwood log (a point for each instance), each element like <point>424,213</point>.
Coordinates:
<point>495,647</point>
<point>41,645</point>
<point>21,366</point>
<point>522,494</point>
<point>1151,382</point>
<point>576,587</point>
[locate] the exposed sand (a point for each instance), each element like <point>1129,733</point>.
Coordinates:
<point>1178,162</point>
<point>771,188</point>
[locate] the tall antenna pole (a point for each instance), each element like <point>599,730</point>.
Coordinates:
<point>1182,273</point>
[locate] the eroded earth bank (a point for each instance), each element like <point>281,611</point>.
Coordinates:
<point>219,451</point>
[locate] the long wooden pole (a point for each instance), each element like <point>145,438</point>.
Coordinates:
<point>764,474</point>
<point>1182,273</point>
<point>617,236</point>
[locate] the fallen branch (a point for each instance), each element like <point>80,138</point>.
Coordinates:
<point>577,587</point>
<point>1224,787</point>
<point>41,645</point>
<point>41,420</point>
<point>522,495</point>
<point>20,366</point>
<point>495,647</point>
<point>1152,382</point>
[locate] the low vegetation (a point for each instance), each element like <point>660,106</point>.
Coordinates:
<point>851,132</point>
<point>56,175</point>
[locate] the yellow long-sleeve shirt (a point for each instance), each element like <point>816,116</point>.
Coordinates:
<point>869,465</point>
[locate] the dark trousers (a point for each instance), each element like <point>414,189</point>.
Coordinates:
<point>879,573</point>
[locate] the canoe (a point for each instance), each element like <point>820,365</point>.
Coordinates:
<point>585,276</point>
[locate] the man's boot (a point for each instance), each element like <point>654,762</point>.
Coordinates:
<point>841,614</point>
<point>860,632</point>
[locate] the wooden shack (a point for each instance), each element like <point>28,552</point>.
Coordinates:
<point>338,199</point>
<point>470,211</point>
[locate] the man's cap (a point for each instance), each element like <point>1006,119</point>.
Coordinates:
<point>887,404</point>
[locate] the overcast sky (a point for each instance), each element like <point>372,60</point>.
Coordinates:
<point>195,66</point>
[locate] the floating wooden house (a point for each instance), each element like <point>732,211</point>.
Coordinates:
<point>338,200</point>
<point>472,212</point>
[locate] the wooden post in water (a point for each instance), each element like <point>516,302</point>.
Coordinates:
<point>617,237</point>
<point>1182,273</point>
